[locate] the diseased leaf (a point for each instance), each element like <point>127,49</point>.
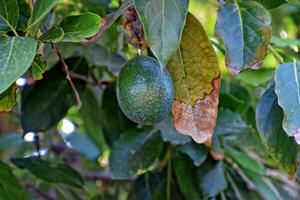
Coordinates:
<point>8,99</point>
<point>78,27</point>
<point>244,27</point>
<point>16,56</point>
<point>196,152</point>
<point>48,100</point>
<point>53,173</point>
<point>38,67</point>
<point>271,4</point>
<point>9,15</point>
<point>195,73</point>
<point>269,116</point>
<point>287,88</point>
<point>163,22</point>
<point>169,133</point>
<point>40,11</point>
<point>135,150</point>
<point>10,189</point>
<point>54,35</point>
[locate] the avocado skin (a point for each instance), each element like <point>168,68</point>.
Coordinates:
<point>144,91</point>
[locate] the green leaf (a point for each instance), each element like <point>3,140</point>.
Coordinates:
<point>10,189</point>
<point>9,15</point>
<point>134,151</point>
<point>55,34</point>
<point>16,56</point>
<point>49,172</point>
<point>10,141</point>
<point>40,11</point>
<point>196,152</point>
<point>38,67</point>
<point>78,27</point>
<point>48,100</point>
<point>163,22</point>
<point>25,13</point>
<point>8,99</point>
<point>271,4</point>
<point>90,113</point>
<point>211,178</point>
<point>277,41</point>
<point>287,88</point>
<point>185,177</point>
<point>169,133</point>
<point>247,163</point>
<point>229,123</point>
<point>244,27</point>
<point>269,116</point>
<point>256,77</point>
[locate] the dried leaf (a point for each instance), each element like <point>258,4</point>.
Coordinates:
<point>195,73</point>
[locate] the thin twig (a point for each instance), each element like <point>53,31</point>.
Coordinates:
<point>37,144</point>
<point>106,177</point>
<point>39,192</point>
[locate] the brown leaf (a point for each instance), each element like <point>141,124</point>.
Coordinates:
<point>198,120</point>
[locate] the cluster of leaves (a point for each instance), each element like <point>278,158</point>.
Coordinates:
<point>93,151</point>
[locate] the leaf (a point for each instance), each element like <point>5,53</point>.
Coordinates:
<point>246,162</point>
<point>185,177</point>
<point>163,21</point>
<point>271,4</point>
<point>244,27</point>
<point>287,88</point>
<point>38,67</point>
<point>229,123</point>
<point>78,27</point>
<point>55,34</point>
<point>279,42</point>
<point>48,100</point>
<point>9,15</point>
<point>10,189</point>
<point>269,116</point>
<point>134,151</point>
<point>40,11</point>
<point>211,178</point>
<point>256,77</point>
<point>8,99</point>
<point>16,56</point>
<point>169,133</point>
<point>82,144</point>
<point>49,172</point>
<point>24,15</point>
<point>195,74</point>
<point>196,152</point>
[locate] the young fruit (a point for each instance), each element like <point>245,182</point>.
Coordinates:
<point>145,91</point>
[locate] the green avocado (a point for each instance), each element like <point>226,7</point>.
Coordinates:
<point>145,91</point>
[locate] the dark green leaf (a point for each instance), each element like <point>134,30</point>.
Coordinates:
<point>24,14</point>
<point>10,189</point>
<point>83,144</point>
<point>78,27</point>
<point>38,67</point>
<point>169,133</point>
<point>48,100</point>
<point>10,141</point>
<point>185,177</point>
<point>53,173</point>
<point>9,15</point>
<point>246,162</point>
<point>134,151</point>
<point>271,4</point>
<point>40,11</point>
<point>244,27</point>
<point>55,34</point>
<point>211,178</point>
<point>91,115</point>
<point>196,152</point>
<point>269,116</point>
<point>163,22</point>
<point>16,56</point>
<point>287,88</point>
<point>229,123</point>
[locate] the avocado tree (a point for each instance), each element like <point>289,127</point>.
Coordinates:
<point>149,99</point>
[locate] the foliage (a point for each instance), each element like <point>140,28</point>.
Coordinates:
<point>64,136</point>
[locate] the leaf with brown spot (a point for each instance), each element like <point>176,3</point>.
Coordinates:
<point>8,99</point>
<point>195,73</point>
